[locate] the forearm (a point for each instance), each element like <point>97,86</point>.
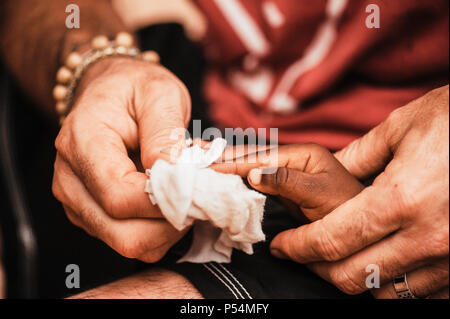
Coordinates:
<point>151,284</point>
<point>35,40</point>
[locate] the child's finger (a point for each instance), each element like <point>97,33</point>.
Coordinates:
<point>287,182</point>
<point>316,194</point>
<point>309,158</point>
<point>301,188</point>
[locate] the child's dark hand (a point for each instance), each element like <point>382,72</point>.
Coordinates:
<point>307,174</point>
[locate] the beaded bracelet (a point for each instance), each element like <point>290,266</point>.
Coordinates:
<point>76,64</point>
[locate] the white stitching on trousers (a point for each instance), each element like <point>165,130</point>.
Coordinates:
<point>228,279</point>
<point>220,279</point>
<point>237,281</point>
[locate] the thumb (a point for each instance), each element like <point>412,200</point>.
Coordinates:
<point>162,121</point>
<point>369,154</point>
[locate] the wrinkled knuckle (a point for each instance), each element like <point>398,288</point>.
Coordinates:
<point>438,244</point>
<point>166,84</point>
<point>391,129</point>
<point>345,282</point>
<point>282,176</point>
<point>395,115</point>
<point>327,247</point>
<point>427,285</point>
<point>154,255</point>
<point>152,155</point>
<point>136,247</point>
<point>131,247</point>
<point>129,251</point>
<point>291,246</point>
<point>62,142</point>
<point>409,200</point>
<point>318,149</point>
<point>57,190</point>
<point>116,204</point>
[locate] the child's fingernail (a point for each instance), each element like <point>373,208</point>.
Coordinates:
<point>255,176</point>
<point>278,253</point>
<point>269,170</point>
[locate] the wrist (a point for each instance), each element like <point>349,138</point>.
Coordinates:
<point>78,63</point>
<point>117,68</point>
<point>135,76</point>
<point>106,67</point>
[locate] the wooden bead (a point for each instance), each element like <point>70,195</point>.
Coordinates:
<point>59,92</point>
<point>121,50</point>
<point>64,75</point>
<point>61,108</point>
<point>73,60</point>
<point>124,39</point>
<point>100,42</point>
<point>150,56</point>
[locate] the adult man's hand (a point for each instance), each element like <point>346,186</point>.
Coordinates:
<point>123,108</point>
<point>401,222</point>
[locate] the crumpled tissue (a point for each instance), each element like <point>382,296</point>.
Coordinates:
<point>225,213</point>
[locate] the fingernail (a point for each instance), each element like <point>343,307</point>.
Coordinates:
<point>255,176</point>
<point>278,253</point>
<point>269,170</point>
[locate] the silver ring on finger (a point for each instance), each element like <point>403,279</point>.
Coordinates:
<point>402,288</point>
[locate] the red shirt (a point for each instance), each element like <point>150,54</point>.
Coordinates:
<point>314,69</point>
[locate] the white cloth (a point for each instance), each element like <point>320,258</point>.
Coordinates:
<point>225,213</point>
